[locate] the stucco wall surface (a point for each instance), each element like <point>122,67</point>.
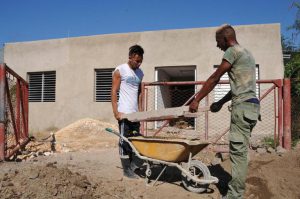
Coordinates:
<point>75,61</point>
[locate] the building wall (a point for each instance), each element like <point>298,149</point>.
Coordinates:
<point>75,59</point>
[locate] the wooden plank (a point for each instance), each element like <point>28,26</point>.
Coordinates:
<point>163,114</point>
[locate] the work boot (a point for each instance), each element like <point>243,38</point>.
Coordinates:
<point>127,171</point>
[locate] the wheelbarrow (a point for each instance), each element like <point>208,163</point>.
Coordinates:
<point>178,153</point>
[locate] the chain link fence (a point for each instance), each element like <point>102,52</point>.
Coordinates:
<point>14,111</point>
<point>295,83</point>
<point>208,125</point>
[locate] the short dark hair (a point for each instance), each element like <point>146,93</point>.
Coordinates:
<point>136,49</point>
<point>226,30</point>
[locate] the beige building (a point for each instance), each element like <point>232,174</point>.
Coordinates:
<point>68,77</point>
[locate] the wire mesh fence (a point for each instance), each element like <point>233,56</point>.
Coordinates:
<point>208,125</point>
<point>295,86</point>
<point>15,112</point>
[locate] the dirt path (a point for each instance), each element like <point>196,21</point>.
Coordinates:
<point>87,165</point>
<point>97,174</point>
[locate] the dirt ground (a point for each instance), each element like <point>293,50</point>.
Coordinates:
<point>86,165</point>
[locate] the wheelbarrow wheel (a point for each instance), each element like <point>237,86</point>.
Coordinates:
<point>198,170</point>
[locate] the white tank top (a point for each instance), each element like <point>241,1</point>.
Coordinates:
<point>128,93</point>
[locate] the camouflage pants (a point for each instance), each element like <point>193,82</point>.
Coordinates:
<point>243,118</point>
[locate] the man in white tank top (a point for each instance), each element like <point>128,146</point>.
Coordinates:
<point>127,80</point>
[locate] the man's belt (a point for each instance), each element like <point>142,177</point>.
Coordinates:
<point>253,100</point>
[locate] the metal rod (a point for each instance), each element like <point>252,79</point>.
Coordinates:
<point>267,92</point>
<point>275,119</point>
<point>202,82</point>
<point>206,118</point>
<point>2,141</point>
<point>26,110</point>
<point>160,174</point>
<point>2,112</point>
<point>18,90</point>
<point>287,114</point>
<point>146,99</point>
<point>17,147</point>
<point>218,138</point>
<point>13,119</point>
<point>280,113</point>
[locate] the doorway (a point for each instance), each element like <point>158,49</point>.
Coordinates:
<point>174,95</point>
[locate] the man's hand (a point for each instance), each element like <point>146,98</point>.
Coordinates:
<point>118,115</point>
<point>215,107</point>
<point>193,107</point>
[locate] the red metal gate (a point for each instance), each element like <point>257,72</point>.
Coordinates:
<point>13,112</point>
<point>275,101</point>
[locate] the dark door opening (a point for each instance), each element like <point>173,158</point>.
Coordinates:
<point>175,95</point>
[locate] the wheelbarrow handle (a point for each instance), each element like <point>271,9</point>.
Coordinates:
<point>114,132</point>
<point>118,134</point>
<point>125,139</point>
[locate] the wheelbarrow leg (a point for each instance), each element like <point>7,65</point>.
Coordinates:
<point>149,173</point>
<point>162,171</point>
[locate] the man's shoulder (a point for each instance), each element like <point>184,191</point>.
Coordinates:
<point>122,65</point>
<point>121,68</point>
<point>236,48</point>
<point>236,51</point>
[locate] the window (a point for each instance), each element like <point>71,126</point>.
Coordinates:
<point>103,82</point>
<point>222,89</point>
<point>42,86</point>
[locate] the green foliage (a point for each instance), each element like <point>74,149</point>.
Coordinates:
<point>292,66</point>
<point>287,44</point>
<point>269,142</point>
<point>295,120</point>
<point>295,139</point>
<point>296,25</point>
<point>292,70</point>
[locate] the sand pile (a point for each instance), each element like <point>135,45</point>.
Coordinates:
<point>273,176</point>
<point>51,181</point>
<point>85,134</point>
<point>45,182</point>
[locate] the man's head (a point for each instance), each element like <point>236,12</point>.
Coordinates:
<point>136,53</point>
<point>225,37</point>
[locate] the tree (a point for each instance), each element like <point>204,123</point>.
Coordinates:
<point>292,66</point>
<point>295,27</point>
<point>292,70</point>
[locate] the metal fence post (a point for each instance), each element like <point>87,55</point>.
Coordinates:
<point>2,111</point>
<point>279,83</point>
<point>287,114</point>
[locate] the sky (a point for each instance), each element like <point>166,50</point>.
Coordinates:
<point>29,20</point>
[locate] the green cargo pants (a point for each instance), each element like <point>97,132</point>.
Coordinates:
<point>243,118</point>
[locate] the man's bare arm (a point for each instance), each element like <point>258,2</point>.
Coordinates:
<point>116,82</point>
<point>210,84</point>
<point>217,106</point>
<point>140,101</point>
